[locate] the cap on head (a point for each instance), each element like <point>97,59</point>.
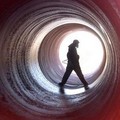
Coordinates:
<point>75,41</point>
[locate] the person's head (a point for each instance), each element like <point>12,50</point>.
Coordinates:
<point>76,42</point>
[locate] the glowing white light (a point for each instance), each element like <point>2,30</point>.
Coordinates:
<point>90,51</point>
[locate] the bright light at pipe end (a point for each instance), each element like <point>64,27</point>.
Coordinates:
<point>90,50</point>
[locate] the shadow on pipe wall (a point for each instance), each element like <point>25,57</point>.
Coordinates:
<point>22,96</point>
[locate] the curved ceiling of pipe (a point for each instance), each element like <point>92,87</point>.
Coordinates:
<point>31,33</point>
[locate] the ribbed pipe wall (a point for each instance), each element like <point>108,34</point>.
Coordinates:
<point>30,36</point>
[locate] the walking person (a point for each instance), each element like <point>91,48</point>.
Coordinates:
<point>73,64</point>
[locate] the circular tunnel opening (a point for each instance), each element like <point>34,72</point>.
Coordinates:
<point>90,50</point>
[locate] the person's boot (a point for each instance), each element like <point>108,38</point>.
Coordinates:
<point>61,84</point>
<point>86,87</point>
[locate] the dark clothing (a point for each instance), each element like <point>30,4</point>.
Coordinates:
<point>73,64</point>
<point>72,55</point>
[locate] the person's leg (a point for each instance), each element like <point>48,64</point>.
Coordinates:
<point>78,71</point>
<point>66,75</point>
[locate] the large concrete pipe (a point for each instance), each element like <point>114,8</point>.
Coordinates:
<point>34,37</point>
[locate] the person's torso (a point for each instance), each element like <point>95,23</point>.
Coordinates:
<point>72,54</point>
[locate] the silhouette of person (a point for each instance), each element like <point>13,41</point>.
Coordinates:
<point>73,64</point>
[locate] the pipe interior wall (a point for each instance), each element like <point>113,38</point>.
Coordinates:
<point>31,33</point>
